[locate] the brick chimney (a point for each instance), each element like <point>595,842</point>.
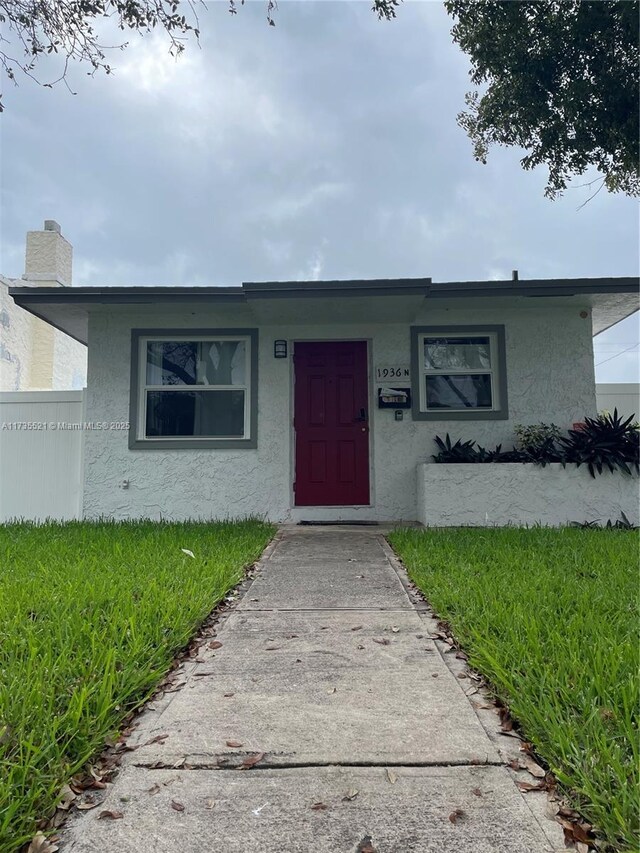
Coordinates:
<point>48,258</point>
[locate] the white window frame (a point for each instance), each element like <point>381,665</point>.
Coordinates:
<point>497,372</point>
<point>138,438</point>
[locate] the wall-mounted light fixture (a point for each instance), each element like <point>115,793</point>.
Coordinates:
<point>279,349</point>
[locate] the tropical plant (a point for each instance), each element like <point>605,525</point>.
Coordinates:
<point>461,451</point>
<point>606,441</point>
<point>538,443</point>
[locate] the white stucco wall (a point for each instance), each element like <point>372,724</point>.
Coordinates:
<point>500,494</point>
<point>33,355</point>
<point>550,378</point>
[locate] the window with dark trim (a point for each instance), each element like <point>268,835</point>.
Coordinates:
<point>193,388</point>
<point>458,373</point>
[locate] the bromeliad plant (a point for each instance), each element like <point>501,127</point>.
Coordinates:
<point>607,441</point>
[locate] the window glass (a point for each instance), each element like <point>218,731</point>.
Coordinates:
<point>459,353</point>
<point>458,391</point>
<point>208,414</point>
<point>196,363</point>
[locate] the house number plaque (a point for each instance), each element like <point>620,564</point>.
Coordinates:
<point>392,372</point>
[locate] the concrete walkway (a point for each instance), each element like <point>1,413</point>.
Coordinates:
<point>370,743</point>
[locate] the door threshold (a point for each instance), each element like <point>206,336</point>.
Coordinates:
<point>359,522</point>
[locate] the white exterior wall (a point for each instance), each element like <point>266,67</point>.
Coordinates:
<point>33,355</point>
<point>40,462</point>
<point>453,495</point>
<point>550,378</point>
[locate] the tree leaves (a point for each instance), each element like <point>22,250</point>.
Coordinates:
<point>558,78</point>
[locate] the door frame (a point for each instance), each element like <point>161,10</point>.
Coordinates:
<point>292,433</point>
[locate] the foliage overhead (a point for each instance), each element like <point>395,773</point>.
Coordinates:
<point>67,29</point>
<point>558,78</point>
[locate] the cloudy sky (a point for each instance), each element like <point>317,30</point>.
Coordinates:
<point>325,147</point>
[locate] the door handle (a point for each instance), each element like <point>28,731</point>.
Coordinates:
<point>363,415</point>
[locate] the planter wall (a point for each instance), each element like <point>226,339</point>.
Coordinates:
<point>488,495</point>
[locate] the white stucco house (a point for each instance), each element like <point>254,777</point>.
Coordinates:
<point>318,400</point>
<point>34,356</point>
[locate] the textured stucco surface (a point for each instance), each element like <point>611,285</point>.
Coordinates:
<point>550,378</point>
<point>33,355</point>
<point>500,494</point>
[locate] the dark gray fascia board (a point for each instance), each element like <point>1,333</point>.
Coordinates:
<point>107,295</point>
<point>363,287</point>
<point>136,443</point>
<point>535,287</point>
<point>25,296</point>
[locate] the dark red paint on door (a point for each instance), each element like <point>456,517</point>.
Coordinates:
<point>331,422</point>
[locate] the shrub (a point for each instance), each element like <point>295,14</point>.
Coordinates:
<point>538,443</point>
<point>606,441</point>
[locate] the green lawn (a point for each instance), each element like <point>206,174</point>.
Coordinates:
<point>550,617</point>
<point>91,616</point>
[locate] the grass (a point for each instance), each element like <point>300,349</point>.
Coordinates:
<point>550,617</point>
<point>91,617</point>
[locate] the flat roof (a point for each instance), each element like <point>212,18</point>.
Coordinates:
<point>68,308</point>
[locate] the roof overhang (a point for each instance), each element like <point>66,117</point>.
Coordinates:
<point>376,300</point>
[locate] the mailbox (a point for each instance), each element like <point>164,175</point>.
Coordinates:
<point>394,398</point>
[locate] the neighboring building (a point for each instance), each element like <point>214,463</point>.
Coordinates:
<point>317,400</point>
<point>34,356</point>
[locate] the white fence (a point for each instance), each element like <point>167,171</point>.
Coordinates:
<point>623,396</point>
<point>41,454</point>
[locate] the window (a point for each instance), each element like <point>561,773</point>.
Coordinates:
<point>193,389</point>
<point>458,373</point>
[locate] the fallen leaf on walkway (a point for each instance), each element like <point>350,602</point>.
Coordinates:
<point>210,804</point>
<point>528,786</point>
<point>153,789</point>
<point>527,763</point>
<point>476,791</point>
<point>271,648</point>
<point>214,644</point>
<point>41,844</point>
<point>251,761</point>
<point>435,674</point>
<point>366,846</point>
<point>319,807</point>
<point>462,675</point>
<point>291,636</point>
<point>67,796</point>
<point>576,833</point>
<point>360,647</point>
<point>176,806</point>
<point>381,642</point>
<point>350,795</point>
<point>235,744</point>
<point>109,813</point>
<point>228,695</point>
<point>455,815</point>
<point>395,630</point>
<point>357,628</point>
<point>331,690</point>
<point>506,723</point>
<point>392,777</point>
<point>156,739</point>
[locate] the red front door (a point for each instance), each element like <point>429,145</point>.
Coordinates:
<point>331,422</point>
